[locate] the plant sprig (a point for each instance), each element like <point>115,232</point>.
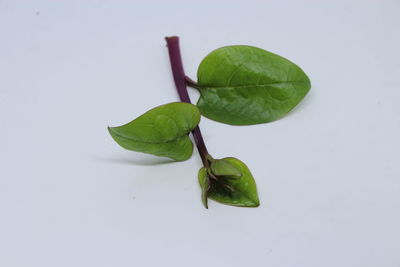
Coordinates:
<point>239,85</point>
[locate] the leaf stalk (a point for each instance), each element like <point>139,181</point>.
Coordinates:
<point>191,83</point>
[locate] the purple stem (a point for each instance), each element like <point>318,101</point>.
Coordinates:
<point>180,83</point>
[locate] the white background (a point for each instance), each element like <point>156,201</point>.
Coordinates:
<point>328,174</point>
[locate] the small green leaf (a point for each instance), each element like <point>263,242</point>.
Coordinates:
<point>222,167</point>
<point>162,131</point>
<point>243,85</point>
<point>204,182</point>
<point>240,192</point>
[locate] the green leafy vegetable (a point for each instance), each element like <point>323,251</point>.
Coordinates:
<point>239,85</point>
<point>162,131</point>
<point>243,85</point>
<point>241,192</point>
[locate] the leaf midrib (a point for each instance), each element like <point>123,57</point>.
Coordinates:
<point>251,85</point>
<point>146,142</point>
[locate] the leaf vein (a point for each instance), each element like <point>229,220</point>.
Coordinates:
<point>254,85</point>
<point>146,142</point>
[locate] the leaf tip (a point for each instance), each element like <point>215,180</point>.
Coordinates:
<point>256,204</point>
<point>113,133</point>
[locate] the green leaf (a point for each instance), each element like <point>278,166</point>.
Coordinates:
<point>205,186</point>
<point>162,131</point>
<point>240,192</point>
<point>222,167</point>
<point>243,85</point>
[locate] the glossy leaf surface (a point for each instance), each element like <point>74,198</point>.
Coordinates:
<point>162,131</point>
<point>240,192</point>
<point>222,167</point>
<point>243,85</point>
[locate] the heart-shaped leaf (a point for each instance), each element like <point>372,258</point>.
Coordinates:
<point>162,131</point>
<point>243,85</point>
<point>240,192</point>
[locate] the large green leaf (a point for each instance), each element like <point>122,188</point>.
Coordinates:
<point>241,192</point>
<point>162,131</point>
<point>243,85</point>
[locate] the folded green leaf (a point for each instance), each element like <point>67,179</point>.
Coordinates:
<point>243,85</point>
<point>240,192</point>
<point>162,131</point>
<point>222,167</point>
<point>205,186</point>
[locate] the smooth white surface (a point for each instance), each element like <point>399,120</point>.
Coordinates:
<point>328,173</point>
